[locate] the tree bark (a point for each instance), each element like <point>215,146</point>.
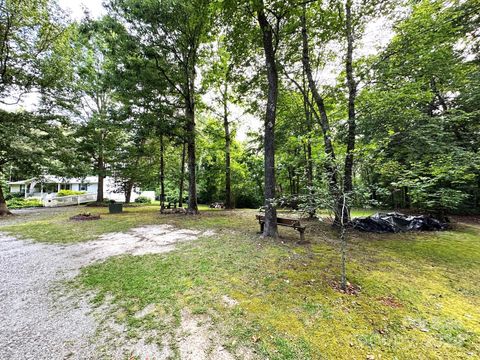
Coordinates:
<point>226,126</point>
<point>308,150</point>
<point>352,94</point>
<point>128,192</point>
<point>270,228</point>
<point>101,177</point>
<point>162,175</point>
<point>192,186</point>
<point>182,177</point>
<point>3,204</point>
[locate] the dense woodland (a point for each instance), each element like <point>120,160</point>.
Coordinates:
<point>154,93</point>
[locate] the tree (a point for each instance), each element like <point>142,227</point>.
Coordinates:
<point>270,17</point>
<point>30,144</point>
<point>219,79</point>
<point>352,95</point>
<point>270,228</point>
<point>346,24</point>
<point>30,35</point>
<point>424,153</point>
<point>246,166</point>
<point>171,34</point>
<point>142,109</point>
<point>99,130</point>
<point>29,30</point>
<point>323,116</point>
<point>182,177</point>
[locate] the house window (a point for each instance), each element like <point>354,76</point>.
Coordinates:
<point>65,186</point>
<point>82,187</point>
<point>50,188</point>
<point>22,189</point>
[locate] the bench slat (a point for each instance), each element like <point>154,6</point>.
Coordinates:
<point>293,223</point>
<point>281,221</point>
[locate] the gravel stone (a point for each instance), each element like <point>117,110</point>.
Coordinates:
<point>41,318</point>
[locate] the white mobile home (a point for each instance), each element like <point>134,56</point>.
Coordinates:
<point>48,186</point>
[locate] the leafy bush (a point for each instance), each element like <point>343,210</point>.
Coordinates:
<point>16,203</point>
<point>10,196</point>
<point>248,200</point>
<point>143,200</point>
<point>69,193</point>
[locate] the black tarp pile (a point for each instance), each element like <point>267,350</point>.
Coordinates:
<point>396,222</point>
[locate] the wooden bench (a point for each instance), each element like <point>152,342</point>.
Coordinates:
<point>295,224</point>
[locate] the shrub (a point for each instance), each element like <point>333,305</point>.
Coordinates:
<point>143,200</point>
<point>69,193</point>
<point>16,203</point>
<point>10,196</point>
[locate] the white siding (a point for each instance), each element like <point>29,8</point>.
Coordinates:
<point>51,184</point>
<point>92,188</point>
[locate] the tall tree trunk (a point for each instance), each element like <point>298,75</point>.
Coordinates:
<point>162,175</point>
<point>3,204</point>
<point>128,191</point>
<point>228,183</point>
<point>270,228</point>
<point>308,150</point>
<point>352,94</point>
<point>101,177</point>
<point>182,177</point>
<point>323,119</point>
<point>192,186</point>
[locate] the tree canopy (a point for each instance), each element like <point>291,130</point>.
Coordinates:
<point>160,95</point>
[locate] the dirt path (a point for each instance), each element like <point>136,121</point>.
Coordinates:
<point>42,319</point>
<point>34,214</point>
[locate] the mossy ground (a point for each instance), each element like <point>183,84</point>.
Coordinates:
<point>419,298</point>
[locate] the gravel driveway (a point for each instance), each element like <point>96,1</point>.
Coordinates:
<point>40,318</point>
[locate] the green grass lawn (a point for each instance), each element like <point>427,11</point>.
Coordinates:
<point>419,297</point>
<point>58,228</point>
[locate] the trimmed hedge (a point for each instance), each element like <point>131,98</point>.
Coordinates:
<point>69,193</point>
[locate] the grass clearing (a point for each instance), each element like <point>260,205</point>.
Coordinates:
<point>420,296</point>
<point>58,228</point>
<point>419,299</point>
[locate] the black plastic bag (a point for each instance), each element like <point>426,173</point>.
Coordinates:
<point>396,222</point>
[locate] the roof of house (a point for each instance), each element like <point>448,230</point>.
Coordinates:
<point>20,182</point>
<point>48,179</point>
